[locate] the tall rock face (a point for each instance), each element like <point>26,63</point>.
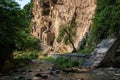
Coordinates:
<point>48,15</point>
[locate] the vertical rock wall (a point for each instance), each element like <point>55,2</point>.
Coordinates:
<point>48,15</point>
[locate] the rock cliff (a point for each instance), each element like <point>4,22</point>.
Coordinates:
<point>48,15</point>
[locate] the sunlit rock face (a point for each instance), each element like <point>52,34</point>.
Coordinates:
<point>48,15</point>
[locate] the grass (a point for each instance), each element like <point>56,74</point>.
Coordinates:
<point>86,50</point>
<point>65,63</point>
<point>23,56</point>
<point>48,58</point>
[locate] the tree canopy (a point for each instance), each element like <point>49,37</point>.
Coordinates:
<point>15,29</point>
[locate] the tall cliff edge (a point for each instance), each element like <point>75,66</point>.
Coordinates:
<point>48,15</point>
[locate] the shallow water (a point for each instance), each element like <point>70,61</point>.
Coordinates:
<point>28,73</point>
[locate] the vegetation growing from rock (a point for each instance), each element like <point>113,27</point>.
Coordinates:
<point>67,32</point>
<point>106,23</point>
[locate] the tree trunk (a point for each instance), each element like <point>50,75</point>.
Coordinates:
<point>74,49</point>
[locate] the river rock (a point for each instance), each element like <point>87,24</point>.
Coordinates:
<point>30,70</point>
<point>57,71</point>
<point>41,75</point>
<point>15,70</point>
<point>38,75</point>
<point>38,70</point>
<point>50,68</point>
<point>28,79</point>
<point>44,75</point>
<point>19,78</point>
<point>36,78</point>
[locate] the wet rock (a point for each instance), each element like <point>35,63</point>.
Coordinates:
<point>110,68</point>
<point>118,71</point>
<point>41,75</point>
<point>21,64</point>
<point>57,71</point>
<point>50,68</point>
<point>23,71</point>
<point>35,61</point>
<point>44,76</point>
<point>28,79</point>
<point>82,78</point>
<point>52,73</point>
<point>38,70</point>
<point>6,76</point>
<point>16,70</point>
<point>38,75</point>
<point>36,78</point>
<point>30,70</point>
<point>19,78</point>
<point>100,73</point>
<point>117,74</point>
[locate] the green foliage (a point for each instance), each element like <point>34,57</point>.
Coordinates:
<point>28,42</point>
<point>70,27</point>
<point>22,55</point>
<point>65,63</point>
<point>25,40</point>
<point>48,59</point>
<point>10,21</point>
<point>86,50</point>
<point>61,34</point>
<point>106,23</point>
<point>28,12</point>
<point>15,30</point>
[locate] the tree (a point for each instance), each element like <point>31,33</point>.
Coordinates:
<point>11,23</point>
<point>67,33</point>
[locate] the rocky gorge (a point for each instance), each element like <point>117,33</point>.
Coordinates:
<point>49,15</point>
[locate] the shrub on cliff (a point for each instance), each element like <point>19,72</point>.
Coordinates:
<point>106,23</point>
<point>67,32</point>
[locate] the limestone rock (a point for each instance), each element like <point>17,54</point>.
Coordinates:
<point>48,15</point>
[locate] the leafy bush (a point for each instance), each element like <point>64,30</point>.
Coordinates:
<point>21,55</point>
<point>14,28</point>
<point>65,63</point>
<point>28,43</point>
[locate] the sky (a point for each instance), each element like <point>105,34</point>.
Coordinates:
<point>22,2</point>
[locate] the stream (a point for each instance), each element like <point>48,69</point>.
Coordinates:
<point>41,70</point>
